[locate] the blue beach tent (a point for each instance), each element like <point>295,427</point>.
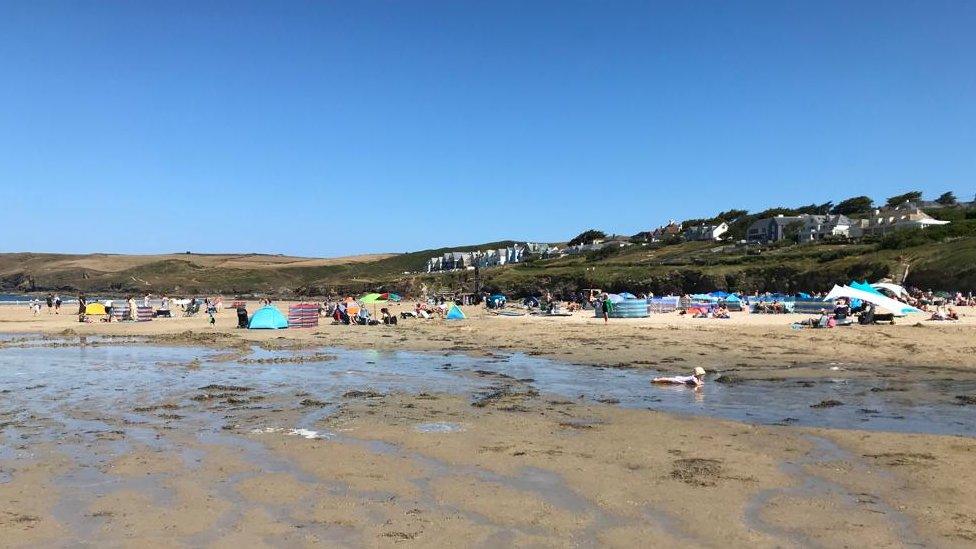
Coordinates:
<point>455,313</point>
<point>267,318</point>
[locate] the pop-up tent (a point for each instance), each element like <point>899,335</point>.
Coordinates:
<point>893,305</point>
<point>455,313</point>
<point>267,318</point>
<point>95,309</point>
<point>893,288</point>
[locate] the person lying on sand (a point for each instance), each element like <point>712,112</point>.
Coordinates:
<point>697,378</point>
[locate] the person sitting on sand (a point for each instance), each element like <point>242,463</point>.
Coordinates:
<point>722,312</point>
<point>821,321</point>
<point>941,313</point>
<point>697,378</point>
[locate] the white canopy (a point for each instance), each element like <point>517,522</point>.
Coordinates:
<point>892,305</point>
<point>893,288</point>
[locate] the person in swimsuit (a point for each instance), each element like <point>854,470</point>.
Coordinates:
<point>697,379</point>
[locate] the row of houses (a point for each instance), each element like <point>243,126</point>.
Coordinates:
<point>804,228</point>
<point>673,230</point>
<point>453,261</point>
<point>807,227</point>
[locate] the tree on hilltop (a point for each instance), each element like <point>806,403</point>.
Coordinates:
<point>947,199</point>
<point>854,205</point>
<point>587,237</point>
<point>911,196</point>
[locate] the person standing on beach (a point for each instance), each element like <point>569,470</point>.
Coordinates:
<point>82,303</point>
<point>50,303</point>
<point>607,307</point>
<point>57,304</point>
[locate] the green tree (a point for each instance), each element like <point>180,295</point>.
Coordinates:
<point>911,196</point>
<point>587,237</point>
<point>947,199</point>
<point>855,205</point>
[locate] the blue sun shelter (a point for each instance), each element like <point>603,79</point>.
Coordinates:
<point>455,313</point>
<point>267,318</point>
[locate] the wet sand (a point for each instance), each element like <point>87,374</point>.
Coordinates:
<point>288,464</point>
<point>747,346</point>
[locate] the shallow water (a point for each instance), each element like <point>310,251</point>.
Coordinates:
<point>47,382</point>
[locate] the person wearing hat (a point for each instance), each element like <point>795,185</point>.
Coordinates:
<point>697,378</point>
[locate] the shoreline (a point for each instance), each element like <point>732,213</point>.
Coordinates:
<point>748,346</point>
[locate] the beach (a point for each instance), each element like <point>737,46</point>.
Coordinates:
<point>436,433</point>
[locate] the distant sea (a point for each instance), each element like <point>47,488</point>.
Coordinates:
<point>9,299</point>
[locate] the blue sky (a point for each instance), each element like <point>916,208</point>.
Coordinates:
<point>334,128</point>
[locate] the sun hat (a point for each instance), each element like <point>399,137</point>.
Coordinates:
<point>699,371</point>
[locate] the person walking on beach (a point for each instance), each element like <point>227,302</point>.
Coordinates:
<point>57,304</point>
<point>607,307</point>
<point>50,303</point>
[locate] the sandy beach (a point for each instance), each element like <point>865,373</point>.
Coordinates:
<point>201,449</point>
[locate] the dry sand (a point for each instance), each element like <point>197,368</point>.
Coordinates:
<point>522,469</point>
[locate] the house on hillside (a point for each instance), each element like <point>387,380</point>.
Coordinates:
<point>806,227</point>
<point>598,244</point>
<point>771,229</point>
<point>666,232</point>
<point>706,232</point>
<point>889,220</point>
<point>818,227</point>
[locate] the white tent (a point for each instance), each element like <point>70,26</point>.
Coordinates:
<point>892,305</point>
<point>893,288</point>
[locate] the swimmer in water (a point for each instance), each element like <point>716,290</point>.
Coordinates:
<point>697,379</point>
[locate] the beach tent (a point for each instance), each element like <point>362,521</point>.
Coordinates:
<point>732,298</point>
<point>95,309</point>
<point>893,305</point>
<point>719,294</point>
<point>455,313</point>
<point>615,298</point>
<point>865,287</point>
<point>496,300</point>
<point>893,288</point>
<point>627,295</point>
<point>390,297</point>
<point>267,318</point>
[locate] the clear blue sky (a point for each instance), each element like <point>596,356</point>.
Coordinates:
<point>333,128</point>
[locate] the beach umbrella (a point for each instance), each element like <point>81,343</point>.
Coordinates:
<point>371,298</point>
